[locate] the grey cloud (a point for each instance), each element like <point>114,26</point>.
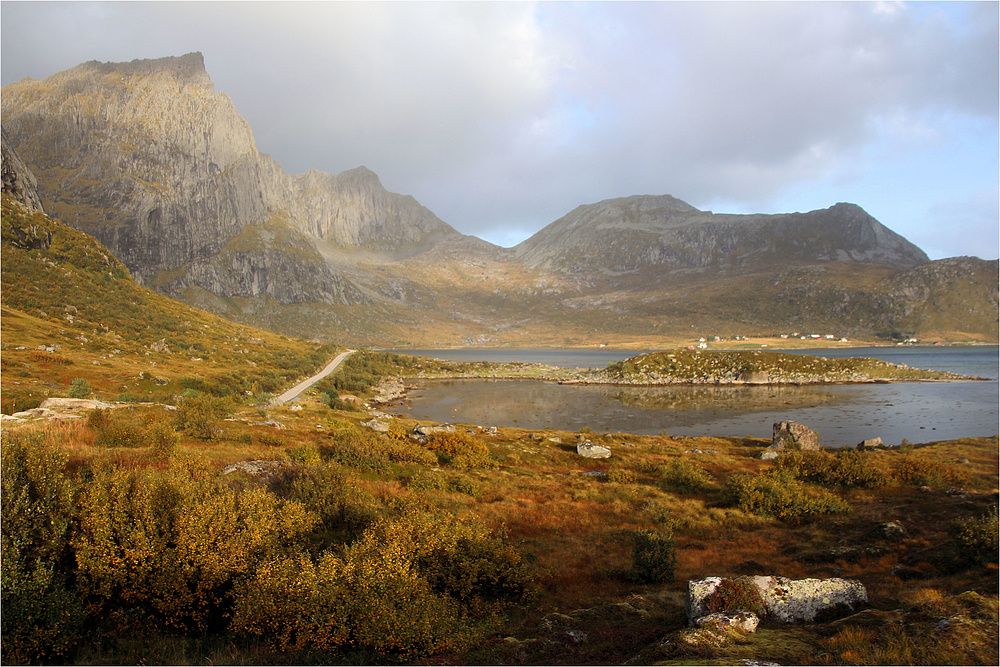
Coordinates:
<point>507,115</point>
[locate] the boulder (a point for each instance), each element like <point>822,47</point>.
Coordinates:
<point>871,443</point>
<point>769,454</point>
<point>744,621</point>
<point>427,430</point>
<point>792,435</point>
<point>589,450</point>
<point>788,600</point>
<point>376,425</point>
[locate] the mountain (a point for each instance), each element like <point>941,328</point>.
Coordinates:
<point>667,232</point>
<point>151,160</point>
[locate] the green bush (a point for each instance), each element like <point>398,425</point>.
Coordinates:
<point>779,494</point>
<point>654,557</point>
<point>344,509</point>
<point>42,616</point>
<point>736,595</point>
<point>621,476</point>
<point>116,429</point>
<point>161,438</point>
<point>847,468</point>
<point>977,538</point>
<point>199,416</point>
<point>79,388</point>
<point>683,476</point>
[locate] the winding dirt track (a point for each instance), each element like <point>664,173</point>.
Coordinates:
<point>305,384</point>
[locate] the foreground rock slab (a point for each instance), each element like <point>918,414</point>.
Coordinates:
<point>787,600</point>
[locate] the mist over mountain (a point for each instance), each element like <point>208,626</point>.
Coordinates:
<point>160,167</point>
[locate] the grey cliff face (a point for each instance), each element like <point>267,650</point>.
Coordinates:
<point>18,181</point>
<point>162,169</point>
<point>145,156</point>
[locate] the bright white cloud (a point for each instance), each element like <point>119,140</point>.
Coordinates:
<point>501,117</point>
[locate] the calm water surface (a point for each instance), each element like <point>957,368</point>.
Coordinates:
<point>843,415</point>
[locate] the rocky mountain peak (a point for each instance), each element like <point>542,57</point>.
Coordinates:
<point>189,68</point>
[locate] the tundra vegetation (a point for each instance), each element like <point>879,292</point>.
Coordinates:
<point>128,538</point>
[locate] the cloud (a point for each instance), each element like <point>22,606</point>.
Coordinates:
<point>501,117</point>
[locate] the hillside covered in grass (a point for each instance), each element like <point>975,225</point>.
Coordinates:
<point>71,311</point>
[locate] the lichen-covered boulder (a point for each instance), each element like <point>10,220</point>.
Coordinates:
<point>787,600</point>
<point>793,435</point>
<point>589,450</point>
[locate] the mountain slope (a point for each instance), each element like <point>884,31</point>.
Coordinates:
<point>623,235</point>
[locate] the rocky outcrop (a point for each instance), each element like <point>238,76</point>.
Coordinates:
<point>18,181</point>
<point>58,408</point>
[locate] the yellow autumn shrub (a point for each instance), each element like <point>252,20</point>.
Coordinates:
<point>416,584</point>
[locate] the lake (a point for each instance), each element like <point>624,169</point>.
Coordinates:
<point>843,415</point>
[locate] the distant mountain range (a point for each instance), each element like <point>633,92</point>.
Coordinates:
<point>147,157</point>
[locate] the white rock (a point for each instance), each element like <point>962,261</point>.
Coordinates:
<point>589,450</point>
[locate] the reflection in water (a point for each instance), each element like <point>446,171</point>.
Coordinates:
<point>721,398</point>
<point>842,414</point>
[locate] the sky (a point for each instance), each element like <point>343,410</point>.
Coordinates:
<point>503,117</point>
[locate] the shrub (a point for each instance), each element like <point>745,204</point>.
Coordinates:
<point>198,416</point>
<point>79,388</point>
<point>736,595</point>
<point>161,438</point>
<point>415,585</point>
<point>115,429</point>
<point>977,538</point>
<point>222,537</point>
<point>306,453</point>
<point>408,451</point>
<point>848,468</point>
<point>344,509</point>
<point>654,557</point>
<point>42,616</point>
<point>917,471</point>
<point>174,546</point>
<point>621,476</point>
<point>127,517</point>
<point>780,495</point>
<point>459,449</point>
<point>683,476</point>
<point>357,449</point>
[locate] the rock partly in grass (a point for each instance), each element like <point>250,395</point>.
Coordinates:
<point>589,450</point>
